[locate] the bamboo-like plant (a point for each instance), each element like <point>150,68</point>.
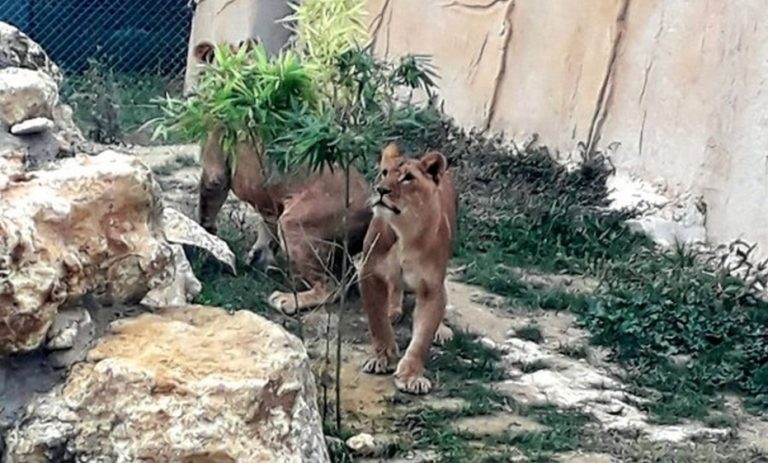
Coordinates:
<point>326,29</point>
<point>244,95</point>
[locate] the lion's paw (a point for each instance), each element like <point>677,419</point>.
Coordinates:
<point>378,365</point>
<point>284,302</point>
<point>443,335</point>
<point>417,384</point>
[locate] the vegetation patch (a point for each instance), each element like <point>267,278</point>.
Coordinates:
<point>681,326</point>
<point>111,107</point>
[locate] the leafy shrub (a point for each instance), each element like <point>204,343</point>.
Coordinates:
<point>274,101</point>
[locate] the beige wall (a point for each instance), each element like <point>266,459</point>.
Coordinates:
<point>681,84</point>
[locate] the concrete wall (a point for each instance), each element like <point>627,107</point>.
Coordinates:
<point>680,84</point>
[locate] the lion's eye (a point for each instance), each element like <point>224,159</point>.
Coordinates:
<point>407,177</point>
<point>384,173</point>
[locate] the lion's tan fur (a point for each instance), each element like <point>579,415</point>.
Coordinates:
<point>409,241</point>
<point>303,212</point>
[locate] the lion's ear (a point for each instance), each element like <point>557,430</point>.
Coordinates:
<point>434,164</point>
<point>390,153</point>
<point>203,52</point>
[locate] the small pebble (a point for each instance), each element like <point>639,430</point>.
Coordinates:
<point>362,444</point>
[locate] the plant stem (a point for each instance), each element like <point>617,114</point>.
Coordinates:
<point>344,289</point>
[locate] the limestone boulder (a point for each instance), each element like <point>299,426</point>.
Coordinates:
<point>18,50</point>
<point>91,226</point>
<point>29,89</point>
<point>26,94</point>
<point>189,384</point>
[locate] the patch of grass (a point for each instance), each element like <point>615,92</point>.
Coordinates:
<point>720,420</point>
<point>525,210</point>
<point>576,351</point>
<point>564,432</point>
<point>247,290</point>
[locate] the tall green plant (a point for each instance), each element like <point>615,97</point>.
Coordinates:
<point>325,30</point>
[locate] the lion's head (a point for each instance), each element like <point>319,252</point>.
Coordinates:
<point>407,186</point>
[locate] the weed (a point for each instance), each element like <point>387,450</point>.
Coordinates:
<point>111,107</point>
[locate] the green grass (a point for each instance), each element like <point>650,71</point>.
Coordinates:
<point>248,290</point>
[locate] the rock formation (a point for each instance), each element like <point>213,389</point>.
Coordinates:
<point>185,384</point>
<point>93,225</point>
<point>32,118</point>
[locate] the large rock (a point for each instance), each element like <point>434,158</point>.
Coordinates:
<point>26,94</point>
<point>20,51</point>
<point>191,384</point>
<point>29,87</point>
<point>94,225</point>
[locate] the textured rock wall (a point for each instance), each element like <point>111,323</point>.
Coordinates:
<point>680,85</point>
<point>92,225</point>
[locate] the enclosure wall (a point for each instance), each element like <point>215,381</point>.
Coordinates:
<point>681,85</point>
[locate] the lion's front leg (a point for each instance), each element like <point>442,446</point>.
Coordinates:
<point>215,182</point>
<point>427,318</point>
<point>291,303</point>
<point>375,289</point>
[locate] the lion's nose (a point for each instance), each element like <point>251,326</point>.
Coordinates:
<point>383,191</point>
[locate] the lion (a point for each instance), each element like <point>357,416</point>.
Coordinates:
<point>303,212</point>
<point>409,241</point>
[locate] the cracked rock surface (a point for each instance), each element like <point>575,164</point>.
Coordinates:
<point>183,384</point>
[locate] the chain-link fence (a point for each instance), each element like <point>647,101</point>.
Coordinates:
<point>116,56</point>
<point>134,36</point>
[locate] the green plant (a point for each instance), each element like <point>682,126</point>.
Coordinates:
<point>325,30</point>
<point>243,96</point>
<point>97,102</point>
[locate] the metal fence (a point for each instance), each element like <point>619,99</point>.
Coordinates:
<point>132,36</point>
